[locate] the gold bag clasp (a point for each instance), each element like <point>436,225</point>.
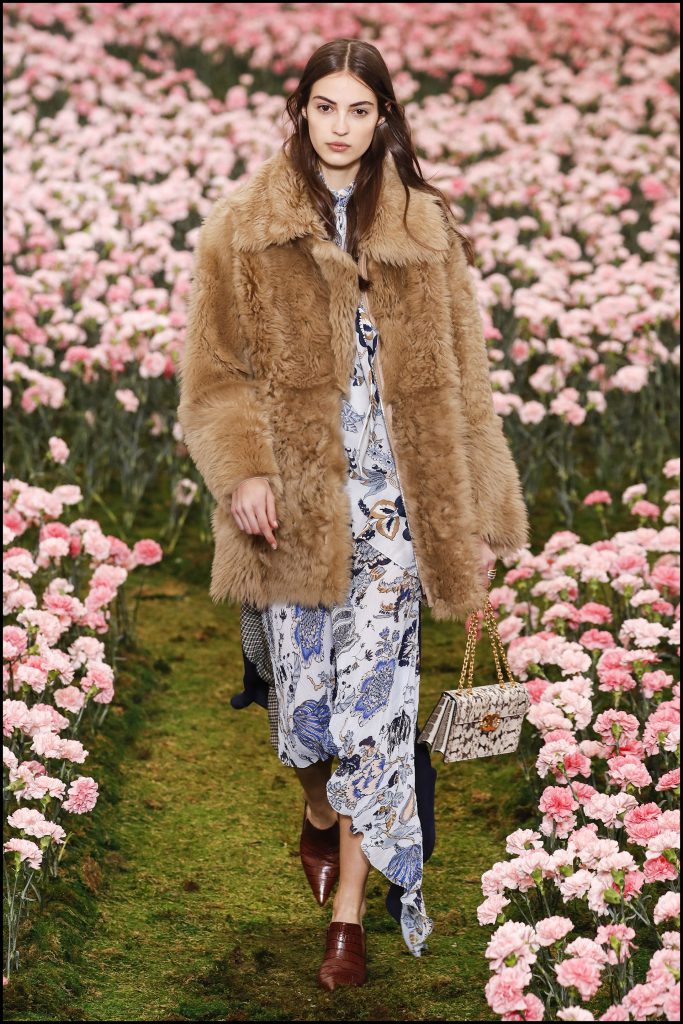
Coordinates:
<point>489,723</point>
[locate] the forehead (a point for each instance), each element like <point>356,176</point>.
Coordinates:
<point>344,87</point>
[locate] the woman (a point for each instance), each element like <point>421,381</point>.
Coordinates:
<point>335,388</point>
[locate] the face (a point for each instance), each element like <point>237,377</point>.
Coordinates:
<point>341,109</point>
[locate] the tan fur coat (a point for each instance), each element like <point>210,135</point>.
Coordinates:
<point>268,356</point>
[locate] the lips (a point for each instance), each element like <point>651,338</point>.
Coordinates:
<point>337,145</point>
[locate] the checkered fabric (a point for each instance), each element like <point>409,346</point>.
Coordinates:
<point>255,643</point>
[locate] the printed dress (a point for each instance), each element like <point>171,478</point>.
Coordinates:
<point>377,508</point>
<point>347,677</point>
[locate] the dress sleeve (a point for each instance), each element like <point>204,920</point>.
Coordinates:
<point>497,491</point>
<point>222,407</point>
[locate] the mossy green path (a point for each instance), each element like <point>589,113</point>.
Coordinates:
<point>213,918</point>
<point>203,911</point>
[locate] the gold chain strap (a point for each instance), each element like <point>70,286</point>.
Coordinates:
<point>467,670</point>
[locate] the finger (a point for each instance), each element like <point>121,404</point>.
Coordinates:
<point>239,520</point>
<point>234,508</point>
<point>249,514</point>
<point>265,526</point>
<point>270,508</point>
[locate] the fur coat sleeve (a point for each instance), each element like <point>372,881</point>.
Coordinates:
<point>221,411</point>
<point>501,511</point>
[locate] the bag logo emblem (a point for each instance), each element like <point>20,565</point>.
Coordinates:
<point>490,722</point>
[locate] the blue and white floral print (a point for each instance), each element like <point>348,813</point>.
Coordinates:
<point>355,696</point>
<point>378,511</point>
<point>347,677</point>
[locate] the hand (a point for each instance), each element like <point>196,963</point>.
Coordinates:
<point>488,561</point>
<point>253,506</point>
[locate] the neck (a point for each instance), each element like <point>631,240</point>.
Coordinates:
<point>338,177</point>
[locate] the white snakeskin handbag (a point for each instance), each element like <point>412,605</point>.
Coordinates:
<point>479,721</point>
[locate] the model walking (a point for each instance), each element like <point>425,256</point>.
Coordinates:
<point>335,388</point>
<point>347,678</point>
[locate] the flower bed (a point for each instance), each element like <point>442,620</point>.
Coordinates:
<point>577,271</point>
<point>587,908</point>
<point>62,579</point>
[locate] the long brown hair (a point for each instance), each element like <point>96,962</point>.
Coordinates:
<point>365,62</point>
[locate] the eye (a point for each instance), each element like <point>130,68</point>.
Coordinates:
<point>326,106</point>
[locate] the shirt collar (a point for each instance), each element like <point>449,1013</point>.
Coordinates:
<point>341,195</point>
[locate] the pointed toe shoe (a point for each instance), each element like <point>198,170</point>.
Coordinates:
<point>319,851</point>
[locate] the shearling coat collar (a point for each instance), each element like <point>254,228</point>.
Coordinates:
<point>275,207</point>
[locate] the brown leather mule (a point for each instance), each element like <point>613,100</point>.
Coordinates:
<point>344,960</point>
<point>319,850</point>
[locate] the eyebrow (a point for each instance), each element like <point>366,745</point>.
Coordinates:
<point>360,103</point>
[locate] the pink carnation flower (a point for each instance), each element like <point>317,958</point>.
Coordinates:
<point>147,552</point>
<point>488,911</point>
<point>82,795</point>
<point>96,544</point>
<point>15,715</point>
<point>663,728</point>
<point>598,498</point>
<point>54,529</point>
<point>511,944</point>
<point>628,770</point>
<point>596,639</point>
<point>86,648</point>
<point>18,560</point>
<point>33,823</point>
<point>642,632</point>
<point>580,973</point>
<point>613,725</point>
<point>27,850</point>
<point>14,642</point>
<point>644,1001</point>
<point>600,614</point>
<point>667,578</point>
<point>51,549</point>
<point>654,682</point>
<point>616,679</point>
<point>609,808</point>
<point>70,698</point>
<point>523,839</point>
<point>659,869</point>
<point>671,780</point>
<point>128,399</point>
<point>668,908</point>
<point>505,990</point>
<point>536,688</point>
<point>575,886</point>
<point>45,718</point>
<point>665,967</point>
<point>553,929</point>
<point>37,784</point>
<point>645,509</point>
<point>619,941</point>
<point>558,802</point>
<point>152,364</point>
<point>533,1009</point>
<point>68,494</point>
<point>59,450</point>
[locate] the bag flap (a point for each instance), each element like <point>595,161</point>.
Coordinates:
<point>472,706</point>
